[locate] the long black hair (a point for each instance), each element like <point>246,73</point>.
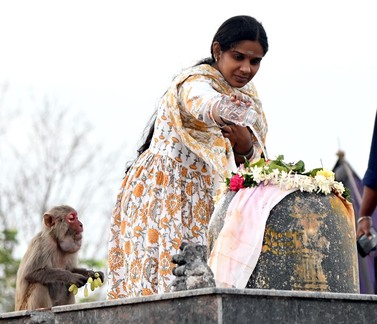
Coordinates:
<point>229,34</point>
<point>148,135</point>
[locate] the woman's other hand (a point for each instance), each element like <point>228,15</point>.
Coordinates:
<point>240,137</point>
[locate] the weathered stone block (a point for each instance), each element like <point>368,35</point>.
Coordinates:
<point>309,244</point>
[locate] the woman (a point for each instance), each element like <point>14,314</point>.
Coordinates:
<point>209,120</point>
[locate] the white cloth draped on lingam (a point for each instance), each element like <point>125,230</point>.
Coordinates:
<point>238,246</point>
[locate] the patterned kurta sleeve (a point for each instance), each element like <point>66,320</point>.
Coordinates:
<point>207,105</point>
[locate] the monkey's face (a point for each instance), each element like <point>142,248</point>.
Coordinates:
<point>75,225</point>
<point>71,242</point>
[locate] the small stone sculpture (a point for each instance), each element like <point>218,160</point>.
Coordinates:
<point>192,270</point>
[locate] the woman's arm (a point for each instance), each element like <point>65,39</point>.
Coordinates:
<point>241,140</point>
<point>214,108</point>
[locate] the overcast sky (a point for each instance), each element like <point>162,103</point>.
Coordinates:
<point>114,59</point>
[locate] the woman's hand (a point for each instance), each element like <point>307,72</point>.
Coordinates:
<point>238,98</point>
<point>241,141</point>
<point>240,137</point>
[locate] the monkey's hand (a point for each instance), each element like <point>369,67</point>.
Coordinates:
<point>96,274</point>
<point>88,273</point>
<point>78,279</point>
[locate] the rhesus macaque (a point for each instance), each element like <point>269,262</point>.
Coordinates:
<point>49,265</point>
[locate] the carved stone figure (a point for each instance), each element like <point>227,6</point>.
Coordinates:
<point>192,271</point>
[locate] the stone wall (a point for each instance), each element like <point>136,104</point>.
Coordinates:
<point>214,305</point>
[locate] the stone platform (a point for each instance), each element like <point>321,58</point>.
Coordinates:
<point>214,305</point>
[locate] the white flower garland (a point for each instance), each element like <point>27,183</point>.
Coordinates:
<point>323,182</point>
<point>286,175</point>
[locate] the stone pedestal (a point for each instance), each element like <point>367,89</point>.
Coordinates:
<point>213,305</point>
<point>309,244</point>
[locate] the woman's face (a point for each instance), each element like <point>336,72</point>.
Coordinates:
<point>238,65</point>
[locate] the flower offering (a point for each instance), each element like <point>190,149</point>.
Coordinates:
<point>286,175</point>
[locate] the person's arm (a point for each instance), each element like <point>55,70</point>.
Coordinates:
<point>216,109</point>
<point>242,141</point>
<point>368,205</point>
<point>369,202</point>
<point>369,199</point>
<point>240,137</point>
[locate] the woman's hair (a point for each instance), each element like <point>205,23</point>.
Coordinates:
<point>235,30</point>
<point>229,34</point>
<point>147,134</point>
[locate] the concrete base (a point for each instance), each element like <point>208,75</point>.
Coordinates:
<point>214,305</point>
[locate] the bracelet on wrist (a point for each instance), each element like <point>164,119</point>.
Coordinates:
<point>364,217</point>
<point>247,155</point>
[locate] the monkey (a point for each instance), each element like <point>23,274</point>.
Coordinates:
<point>49,265</point>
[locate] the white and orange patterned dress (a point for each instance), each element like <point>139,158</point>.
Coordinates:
<point>167,195</point>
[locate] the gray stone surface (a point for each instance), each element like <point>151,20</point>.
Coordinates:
<point>28,317</point>
<point>309,244</point>
<point>216,222</point>
<point>214,305</point>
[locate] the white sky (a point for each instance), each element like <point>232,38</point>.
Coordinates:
<point>114,59</point>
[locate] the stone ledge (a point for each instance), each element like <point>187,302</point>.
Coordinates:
<point>213,305</point>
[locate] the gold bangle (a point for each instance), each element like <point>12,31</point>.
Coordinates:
<point>364,217</point>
